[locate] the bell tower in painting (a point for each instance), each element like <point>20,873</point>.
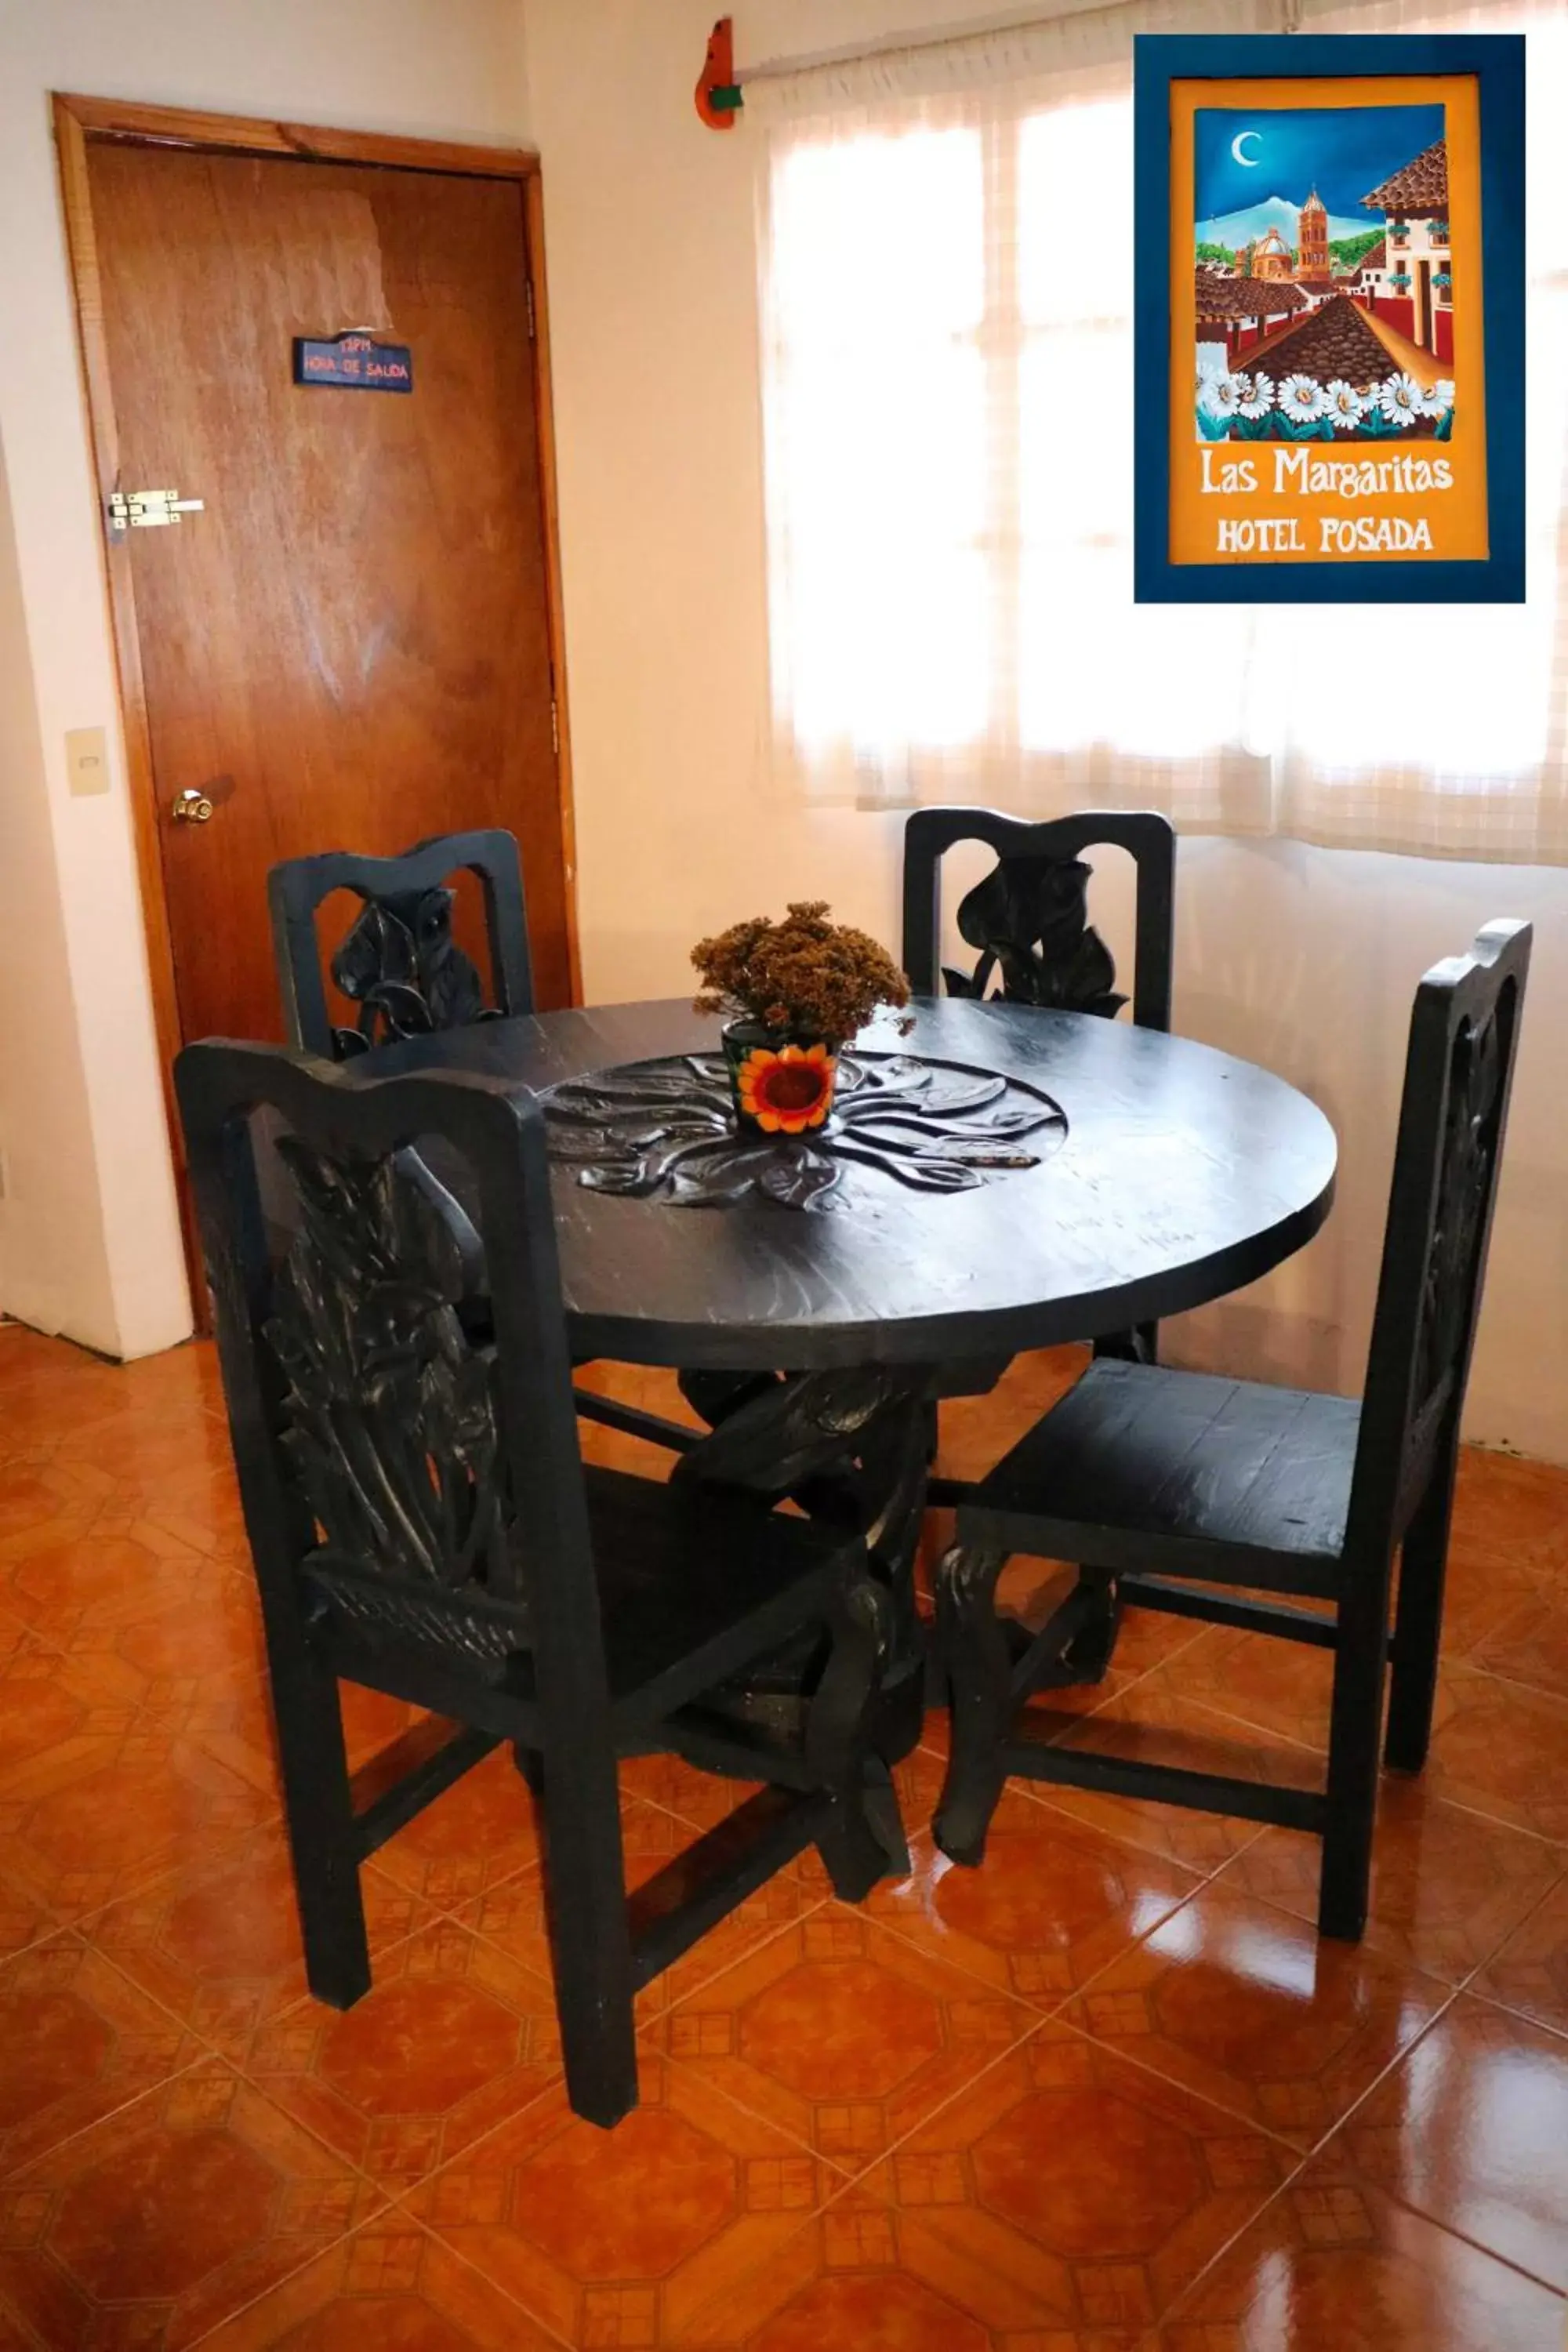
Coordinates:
<point>1312,254</point>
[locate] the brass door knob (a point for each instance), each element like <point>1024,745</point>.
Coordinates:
<point>191,808</point>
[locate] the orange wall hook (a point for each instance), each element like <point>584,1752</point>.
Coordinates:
<point>718,92</point>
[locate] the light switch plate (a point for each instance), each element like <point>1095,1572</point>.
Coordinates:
<point>87,761</point>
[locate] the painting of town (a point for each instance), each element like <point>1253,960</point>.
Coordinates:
<point>1324,274</point>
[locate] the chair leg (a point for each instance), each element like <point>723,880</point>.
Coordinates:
<point>1418,1626</point>
<point>317,1805</point>
<point>854,1841</point>
<point>979,1661</point>
<point>590,1935</point>
<point>1355,1726</point>
<point>880,1800</point>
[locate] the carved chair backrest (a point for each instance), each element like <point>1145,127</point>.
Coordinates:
<point>399,962</point>
<point>398,1480</point>
<point>1028,918</point>
<point>1464,1029</point>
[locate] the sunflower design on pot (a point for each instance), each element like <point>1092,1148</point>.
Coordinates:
<point>786,1089</point>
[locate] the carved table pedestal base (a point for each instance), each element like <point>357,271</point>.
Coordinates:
<point>849,1448</point>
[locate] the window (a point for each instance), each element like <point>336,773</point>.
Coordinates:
<point>880,437</point>
<point>948,405</point>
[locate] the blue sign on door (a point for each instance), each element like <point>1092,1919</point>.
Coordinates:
<point>353,363</point>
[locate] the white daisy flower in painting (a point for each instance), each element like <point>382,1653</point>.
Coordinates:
<point>1344,405</point>
<point>1257,398</point>
<point>1301,399</point>
<point>1439,400</point>
<point>1222,395</point>
<point>1214,360</point>
<point>1401,400</point>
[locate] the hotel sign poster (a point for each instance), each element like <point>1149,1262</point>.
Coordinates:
<point>1330,309</point>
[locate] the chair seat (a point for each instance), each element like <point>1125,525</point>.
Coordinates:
<point>692,1581</point>
<point>1142,1468</point>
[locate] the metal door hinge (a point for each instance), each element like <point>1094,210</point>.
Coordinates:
<point>149,509</point>
<point>533,322</point>
<point>554,727</point>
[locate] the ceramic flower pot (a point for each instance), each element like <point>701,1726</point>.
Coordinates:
<point>781,1085</point>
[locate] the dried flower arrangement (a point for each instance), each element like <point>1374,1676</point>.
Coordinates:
<point>806,977</point>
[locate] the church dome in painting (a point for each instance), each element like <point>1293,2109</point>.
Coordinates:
<point>1269,256</point>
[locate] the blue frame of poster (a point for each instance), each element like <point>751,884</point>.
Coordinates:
<point>1496,63</point>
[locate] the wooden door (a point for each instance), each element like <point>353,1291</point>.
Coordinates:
<point>350,647</point>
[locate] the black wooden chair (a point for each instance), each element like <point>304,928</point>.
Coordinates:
<point>1028,920</point>
<point>398,962</point>
<point>1150,1477</point>
<point>421,1522</point>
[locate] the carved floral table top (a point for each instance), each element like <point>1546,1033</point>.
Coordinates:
<point>1159,1174</point>
<point>666,1130</point>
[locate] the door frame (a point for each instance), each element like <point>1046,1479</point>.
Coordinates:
<point>78,121</point>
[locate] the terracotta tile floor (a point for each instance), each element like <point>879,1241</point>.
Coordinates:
<point>1108,2094</point>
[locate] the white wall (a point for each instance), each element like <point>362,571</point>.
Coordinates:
<point>89,1242</point>
<point>1302,958</point>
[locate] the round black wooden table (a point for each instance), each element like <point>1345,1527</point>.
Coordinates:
<point>1162,1174</point>
<point>1183,1174</point>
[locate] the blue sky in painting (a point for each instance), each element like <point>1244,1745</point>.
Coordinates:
<point>1342,152</point>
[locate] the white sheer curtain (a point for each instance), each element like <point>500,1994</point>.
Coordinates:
<point>948,405</point>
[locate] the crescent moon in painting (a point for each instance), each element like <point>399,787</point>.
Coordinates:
<point>1251,162</point>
